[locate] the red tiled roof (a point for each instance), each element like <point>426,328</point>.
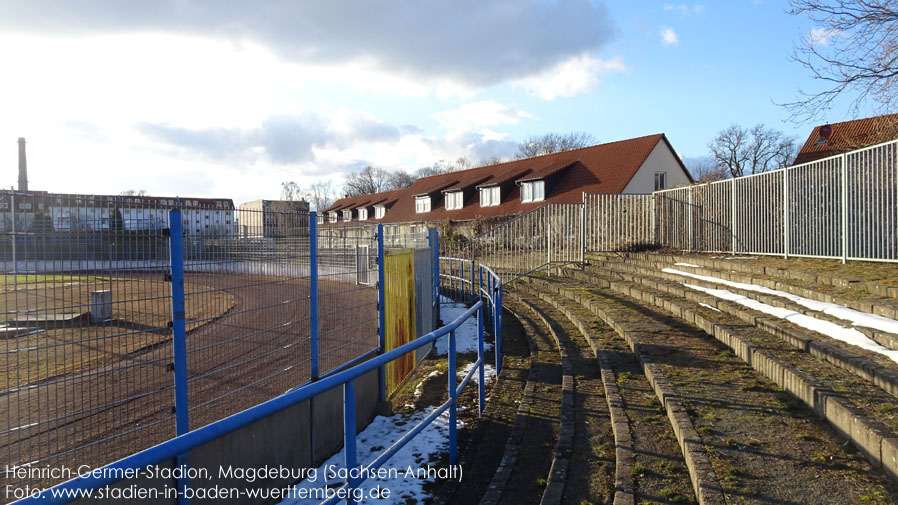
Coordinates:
<point>847,136</point>
<point>550,170</point>
<point>603,168</point>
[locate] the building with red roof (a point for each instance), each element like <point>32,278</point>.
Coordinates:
<point>639,165</point>
<point>836,138</point>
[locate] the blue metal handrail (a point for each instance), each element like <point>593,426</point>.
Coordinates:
<point>191,440</point>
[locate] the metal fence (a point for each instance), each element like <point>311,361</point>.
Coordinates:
<point>843,207</point>
<point>618,222</point>
<point>119,337</point>
<point>548,235</point>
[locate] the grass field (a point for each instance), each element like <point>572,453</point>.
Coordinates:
<point>141,312</point>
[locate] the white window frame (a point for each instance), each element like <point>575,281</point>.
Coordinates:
<point>660,181</point>
<point>332,216</point>
<point>533,191</point>
<point>363,214</point>
<point>539,191</point>
<point>454,200</point>
<point>347,215</point>
<point>490,197</point>
<point>422,204</point>
<point>379,211</point>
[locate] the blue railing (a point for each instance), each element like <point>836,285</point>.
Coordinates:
<point>182,444</point>
<point>459,278</point>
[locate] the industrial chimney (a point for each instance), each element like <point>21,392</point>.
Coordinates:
<point>23,166</point>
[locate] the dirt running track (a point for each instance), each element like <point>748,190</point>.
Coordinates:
<point>256,351</point>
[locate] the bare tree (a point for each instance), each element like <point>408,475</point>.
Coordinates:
<point>290,191</point>
<point>553,143</point>
<point>743,152</point>
<point>321,195</point>
<point>366,181</point>
<point>705,169</point>
<point>400,179</point>
<point>853,48</point>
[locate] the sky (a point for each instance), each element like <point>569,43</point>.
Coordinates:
<point>227,98</point>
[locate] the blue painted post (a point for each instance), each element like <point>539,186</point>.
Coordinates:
<point>313,294</point>
<point>453,399</point>
<point>349,449</point>
<point>179,338</point>
<point>473,286</point>
<point>480,392</point>
<point>435,275</point>
<point>381,311</point>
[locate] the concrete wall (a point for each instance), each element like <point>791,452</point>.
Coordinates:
<point>300,437</point>
<point>661,159</point>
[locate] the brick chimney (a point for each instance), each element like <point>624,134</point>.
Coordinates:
<point>23,166</point>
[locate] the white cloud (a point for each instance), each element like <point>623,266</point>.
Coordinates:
<point>684,9</point>
<point>447,44</point>
<point>669,37</point>
<point>477,115</point>
<point>574,76</point>
<point>823,36</point>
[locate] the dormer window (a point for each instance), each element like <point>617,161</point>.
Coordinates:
<point>320,218</point>
<point>820,142</point>
<point>533,191</point>
<point>347,215</point>
<point>363,214</point>
<point>332,216</point>
<point>379,212</point>
<point>454,200</point>
<point>489,197</point>
<point>422,204</point>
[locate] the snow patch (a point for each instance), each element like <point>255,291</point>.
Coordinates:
<point>686,265</point>
<point>489,372</point>
<point>856,317</point>
<point>833,330</point>
<point>465,334</point>
<point>705,305</point>
<point>380,434</point>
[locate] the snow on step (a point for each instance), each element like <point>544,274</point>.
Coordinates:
<point>856,317</point>
<point>847,335</point>
<point>686,265</point>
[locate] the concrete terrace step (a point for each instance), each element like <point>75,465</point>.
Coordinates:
<point>872,366</point>
<point>873,277</point>
<point>870,297</point>
<point>757,438</point>
<point>820,385</point>
<point>650,464</point>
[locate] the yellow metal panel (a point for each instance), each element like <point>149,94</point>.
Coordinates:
<point>399,294</point>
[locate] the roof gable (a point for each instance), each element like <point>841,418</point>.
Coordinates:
<point>848,136</point>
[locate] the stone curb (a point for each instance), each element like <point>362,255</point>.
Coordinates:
<point>513,447</point>
<point>625,456</point>
<point>884,377</point>
<point>705,483</point>
<point>565,445</point>
<point>871,437</point>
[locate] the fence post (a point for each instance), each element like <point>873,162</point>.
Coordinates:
<point>733,217</point>
<point>498,337</point>
<point>548,241</point>
<point>453,403</point>
<point>844,162</point>
<point>480,386</point>
<point>691,219</point>
<point>583,231</point>
<point>313,295</point>
<point>473,290</point>
<point>179,339</point>
<point>349,448</point>
<point>381,312</point>
<point>436,273</point>
<point>786,213</point>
